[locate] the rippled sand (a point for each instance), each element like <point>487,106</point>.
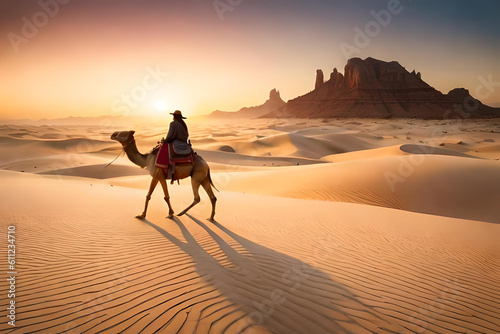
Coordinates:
<point>335,226</point>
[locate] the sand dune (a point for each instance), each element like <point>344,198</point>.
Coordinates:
<point>441,185</point>
<point>312,143</point>
<point>489,151</point>
<point>316,237</point>
<point>388,151</point>
<point>292,144</point>
<point>98,171</point>
<point>111,272</point>
<point>250,160</point>
<point>423,149</point>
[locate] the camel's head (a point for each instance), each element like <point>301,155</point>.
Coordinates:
<point>123,137</point>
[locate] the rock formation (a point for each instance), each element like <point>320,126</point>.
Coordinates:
<point>374,88</point>
<point>320,79</point>
<point>274,102</point>
<point>336,79</point>
<point>469,106</point>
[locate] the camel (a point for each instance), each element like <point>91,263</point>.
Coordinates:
<point>200,174</point>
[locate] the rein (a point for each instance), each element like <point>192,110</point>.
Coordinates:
<point>119,154</point>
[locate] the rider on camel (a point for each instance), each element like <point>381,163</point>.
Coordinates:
<point>178,128</point>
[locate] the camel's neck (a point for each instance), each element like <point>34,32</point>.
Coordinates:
<point>135,156</point>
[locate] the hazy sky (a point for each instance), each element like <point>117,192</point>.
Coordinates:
<point>94,57</point>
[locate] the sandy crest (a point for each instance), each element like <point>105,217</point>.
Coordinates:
<point>269,264</point>
<point>443,183</point>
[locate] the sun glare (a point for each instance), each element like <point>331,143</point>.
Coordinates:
<point>161,105</point>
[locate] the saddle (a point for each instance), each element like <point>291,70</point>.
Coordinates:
<point>176,159</point>
<point>181,148</point>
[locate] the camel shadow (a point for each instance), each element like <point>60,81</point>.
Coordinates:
<point>274,290</point>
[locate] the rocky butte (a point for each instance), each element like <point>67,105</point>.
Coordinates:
<point>273,103</point>
<point>377,89</point>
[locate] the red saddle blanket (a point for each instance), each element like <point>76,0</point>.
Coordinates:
<point>162,158</point>
<point>165,158</point>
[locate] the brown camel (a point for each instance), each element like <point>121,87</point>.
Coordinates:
<point>200,174</point>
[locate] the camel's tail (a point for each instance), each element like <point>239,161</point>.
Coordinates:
<point>210,180</point>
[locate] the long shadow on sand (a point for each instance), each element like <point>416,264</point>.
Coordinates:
<point>276,291</point>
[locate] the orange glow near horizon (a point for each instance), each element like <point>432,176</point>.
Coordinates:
<point>91,64</point>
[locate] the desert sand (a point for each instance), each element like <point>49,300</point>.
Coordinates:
<point>322,226</point>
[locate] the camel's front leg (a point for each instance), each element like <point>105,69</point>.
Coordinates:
<point>152,187</point>
<point>163,183</point>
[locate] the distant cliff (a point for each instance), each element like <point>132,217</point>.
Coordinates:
<point>379,89</point>
<point>274,102</point>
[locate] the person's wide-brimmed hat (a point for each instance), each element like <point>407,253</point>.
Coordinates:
<point>177,113</point>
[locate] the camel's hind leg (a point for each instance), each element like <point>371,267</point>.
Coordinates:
<point>208,188</point>
<point>195,183</point>
<point>163,183</point>
<point>152,187</point>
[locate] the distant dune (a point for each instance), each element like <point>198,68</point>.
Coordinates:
<point>397,182</point>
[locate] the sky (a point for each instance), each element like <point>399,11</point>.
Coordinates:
<point>61,58</point>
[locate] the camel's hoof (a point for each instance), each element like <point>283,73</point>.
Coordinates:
<point>140,217</point>
<point>180,214</point>
<point>170,216</point>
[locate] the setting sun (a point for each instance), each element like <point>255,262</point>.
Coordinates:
<point>161,105</point>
